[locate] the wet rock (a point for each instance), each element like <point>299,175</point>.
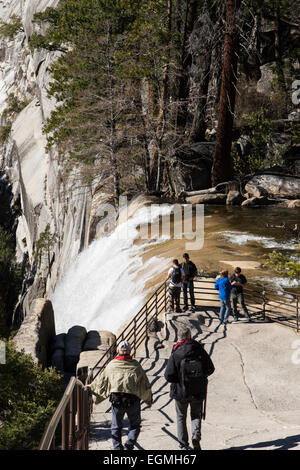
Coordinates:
<point>217,198</point>
<point>274,185</point>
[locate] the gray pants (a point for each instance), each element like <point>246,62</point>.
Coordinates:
<point>196,416</point>
<point>239,298</point>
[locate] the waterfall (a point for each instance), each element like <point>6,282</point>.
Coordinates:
<point>105,285</point>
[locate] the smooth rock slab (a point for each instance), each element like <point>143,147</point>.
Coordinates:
<point>274,185</point>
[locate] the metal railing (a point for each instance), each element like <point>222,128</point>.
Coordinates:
<point>136,331</point>
<point>69,426</point>
<point>74,410</point>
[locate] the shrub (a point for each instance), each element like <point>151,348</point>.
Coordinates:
<point>28,399</point>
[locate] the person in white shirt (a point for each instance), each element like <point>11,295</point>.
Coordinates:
<point>176,276</point>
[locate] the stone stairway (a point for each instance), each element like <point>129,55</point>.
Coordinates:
<point>249,404</point>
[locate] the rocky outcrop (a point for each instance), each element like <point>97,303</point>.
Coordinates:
<point>46,194</point>
<point>274,185</point>
<point>37,333</point>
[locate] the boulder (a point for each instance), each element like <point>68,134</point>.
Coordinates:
<point>209,198</point>
<point>37,332</point>
<point>58,352</point>
<point>234,198</point>
<point>191,166</point>
<point>98,340</point>
<point>274,185</point>
<point>74,341</point>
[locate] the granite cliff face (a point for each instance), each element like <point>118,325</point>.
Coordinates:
<point>37,179</point>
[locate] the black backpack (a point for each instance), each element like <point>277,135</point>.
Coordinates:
<point>193,379</point>
<point>122,400</point>
<point>176,276</point>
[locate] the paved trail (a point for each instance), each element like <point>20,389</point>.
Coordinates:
<point>253,396</point>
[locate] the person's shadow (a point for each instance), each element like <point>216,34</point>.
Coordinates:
<point>286,443</point>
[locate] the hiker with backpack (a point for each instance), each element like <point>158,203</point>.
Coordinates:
<point>190,272</point>
<point>125,383</point>
<point>187,370</point>
<point>176,276</point>
<point>224,287</point>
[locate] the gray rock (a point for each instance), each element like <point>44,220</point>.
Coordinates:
<point>274,185</point>
<point>37,332</point>
<point>74,341</point>
<point>216,198</point>
<point>234,198</point>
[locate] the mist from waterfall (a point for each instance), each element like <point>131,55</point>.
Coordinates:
<point>105,285</point>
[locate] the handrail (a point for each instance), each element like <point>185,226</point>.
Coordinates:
<point>74,409</point>
<point>257,295</point>
<point>73,413</point>
<point>148,313</point>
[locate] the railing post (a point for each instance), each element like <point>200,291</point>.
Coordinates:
<point>297,312</point>
<point>79,418</point>
<point>71,421</point>
<point>264,303</point>
<point>64,428</point>
<point>165,295</point>
<point>134,336</point>
<point>156,309</point>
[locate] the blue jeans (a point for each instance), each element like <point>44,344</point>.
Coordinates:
<point>134,416</point>
<point>188,285</point>
<point>225,308</point>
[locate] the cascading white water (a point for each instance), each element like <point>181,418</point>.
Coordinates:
<point>105,285</point>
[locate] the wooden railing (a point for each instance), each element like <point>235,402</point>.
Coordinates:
<point>68,427</point>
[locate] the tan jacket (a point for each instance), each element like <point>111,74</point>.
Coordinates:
<point>125,376</point>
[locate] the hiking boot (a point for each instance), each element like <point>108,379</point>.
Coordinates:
<point>196,444</point>
<point>185,308</point>
<point>235,318</point>
<point>128,447</point>
<point>193,308</point>
<point>178,310</point>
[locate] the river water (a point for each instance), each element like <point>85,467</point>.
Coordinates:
<point>109,281</point>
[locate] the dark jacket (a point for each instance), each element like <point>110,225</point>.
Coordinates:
<point>187,349</point>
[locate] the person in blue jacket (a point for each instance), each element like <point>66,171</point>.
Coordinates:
<point>224,287</point>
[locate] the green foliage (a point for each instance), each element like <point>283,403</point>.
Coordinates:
<point>28,399</point>
<point>44,246</point>
<point>12,28</point>
<point>284,266</point>
<point>10,281</point>
<point>14,105</point>
<point>4,133</point>
<point>260,129</point>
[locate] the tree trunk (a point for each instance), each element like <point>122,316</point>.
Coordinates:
<point>186,61</point>
<point>155,162</point>
<point>222,166</point>
<point>197,133</point>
